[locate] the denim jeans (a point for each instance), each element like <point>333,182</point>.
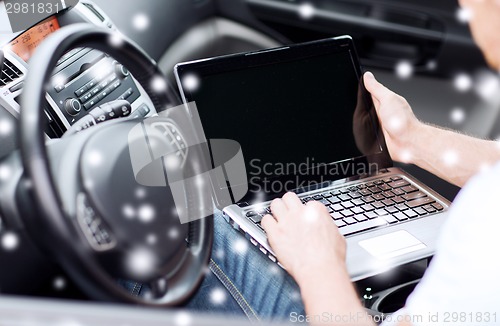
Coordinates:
<point>242,281</point>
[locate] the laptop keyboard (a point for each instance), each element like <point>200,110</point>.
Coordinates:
<point>369,205</point>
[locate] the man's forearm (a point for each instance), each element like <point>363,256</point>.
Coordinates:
<point>452,156</point>
<point>330,299</point>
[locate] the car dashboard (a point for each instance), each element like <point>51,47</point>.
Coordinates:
<point>84,78</point>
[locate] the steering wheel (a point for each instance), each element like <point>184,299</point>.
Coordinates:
<point>92,215</point>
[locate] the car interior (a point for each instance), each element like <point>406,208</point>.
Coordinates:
<point>113,63</point>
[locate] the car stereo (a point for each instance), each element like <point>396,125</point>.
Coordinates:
<point>76,90</point>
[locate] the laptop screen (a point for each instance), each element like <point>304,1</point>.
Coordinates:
<point>293,111</point>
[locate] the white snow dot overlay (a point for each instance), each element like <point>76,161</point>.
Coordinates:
<point>159,84</point>
<point>306,11</point>
<point>406,156</point>
<point>191,82</point>
<point>6,127</point>
<point>457,115</point>
<point>140,21</point>
<point>218,296</point>
<point>10,241</point>
<point>146,213</point>
<point>404,69</point>
<point>128,211</point>
<point>5,172</point>
<point>463,82</point>
<point>183,319</point>
<point>140,262</point>
<point>95,159</point>
<point>464,15</point>
<point>59,283</point>
<point>450,157</point>
<point>240,246</point>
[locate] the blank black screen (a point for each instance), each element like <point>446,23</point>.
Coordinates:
<point>285,112</point>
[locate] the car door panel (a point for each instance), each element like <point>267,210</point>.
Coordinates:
<point>385,32</point>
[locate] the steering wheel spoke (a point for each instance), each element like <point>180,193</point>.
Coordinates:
<point>158,288</point>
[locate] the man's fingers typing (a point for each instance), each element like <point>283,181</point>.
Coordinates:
<point>268,223</point>
<point>278,208</point>
<point>292,201</point>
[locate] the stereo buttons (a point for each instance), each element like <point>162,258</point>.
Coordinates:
<point>72,106</point>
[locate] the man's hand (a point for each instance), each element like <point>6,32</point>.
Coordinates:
<point>307,243</point>
<point>304,238</point>
<point>447,154</point>
<point>399,124</point>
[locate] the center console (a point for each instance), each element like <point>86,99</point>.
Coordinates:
<point>83,79</point>
<point>75,91</point>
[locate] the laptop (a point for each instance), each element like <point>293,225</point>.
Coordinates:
<point>305,123</point>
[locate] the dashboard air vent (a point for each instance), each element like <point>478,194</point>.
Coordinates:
<point>9,73</point>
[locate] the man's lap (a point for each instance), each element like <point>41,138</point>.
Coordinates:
<point>243,281</point>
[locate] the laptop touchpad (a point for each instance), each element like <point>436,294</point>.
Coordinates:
<point>392,245</point>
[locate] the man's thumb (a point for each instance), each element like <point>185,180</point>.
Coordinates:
<point>375,88</point>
